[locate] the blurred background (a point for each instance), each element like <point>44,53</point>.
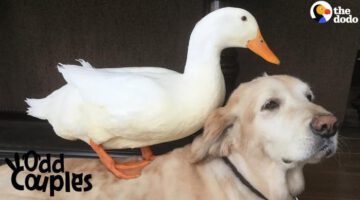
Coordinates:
<point>36,35</point>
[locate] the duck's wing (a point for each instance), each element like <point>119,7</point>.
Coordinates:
<point>145,70</point>
<point>126,96</point>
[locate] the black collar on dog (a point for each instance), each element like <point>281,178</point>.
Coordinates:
<point>243,179</point>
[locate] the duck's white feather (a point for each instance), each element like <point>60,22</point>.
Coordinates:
<point>141,106</point>
<point>126,108</point>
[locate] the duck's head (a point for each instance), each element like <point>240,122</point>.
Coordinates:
<point>234,27</point>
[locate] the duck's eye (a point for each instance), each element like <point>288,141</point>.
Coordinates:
<point>271,104</point>
<point>244,18</point>
<point>309,97</point>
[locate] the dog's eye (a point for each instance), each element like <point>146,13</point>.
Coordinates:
<point>271,104</point>
<point>309,97</point>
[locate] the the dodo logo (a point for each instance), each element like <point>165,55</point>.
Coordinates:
<point>321,11</point>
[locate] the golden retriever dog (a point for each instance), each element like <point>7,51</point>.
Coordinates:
<point>254,147</point>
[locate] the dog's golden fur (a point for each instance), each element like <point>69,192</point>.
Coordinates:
<point>196,171</point>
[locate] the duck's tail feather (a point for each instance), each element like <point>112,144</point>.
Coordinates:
<point>84,63</point>
<point>37,108</point>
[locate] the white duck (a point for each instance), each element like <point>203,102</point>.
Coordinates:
<point>116,108</point>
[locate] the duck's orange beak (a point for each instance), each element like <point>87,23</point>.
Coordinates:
<point>259,46</point>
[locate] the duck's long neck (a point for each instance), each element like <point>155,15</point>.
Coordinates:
<point>203,54</point>
<point>203,73</point>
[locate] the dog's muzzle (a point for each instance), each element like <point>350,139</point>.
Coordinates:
<point>325,127</point>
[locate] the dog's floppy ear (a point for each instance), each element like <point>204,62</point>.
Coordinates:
<point>213,140</point>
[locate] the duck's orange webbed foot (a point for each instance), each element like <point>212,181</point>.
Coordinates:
<point>147,154</point>
<point>126,170</point>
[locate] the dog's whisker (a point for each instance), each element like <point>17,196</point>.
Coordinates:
<point>337,158</point>
<point>343,147</point>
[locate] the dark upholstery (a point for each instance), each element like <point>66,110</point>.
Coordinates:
<point>36,35</point>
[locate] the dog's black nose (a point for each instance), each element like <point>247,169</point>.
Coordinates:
<point>325,126</point>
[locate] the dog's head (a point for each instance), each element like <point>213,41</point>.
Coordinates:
<point>274,114</point>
